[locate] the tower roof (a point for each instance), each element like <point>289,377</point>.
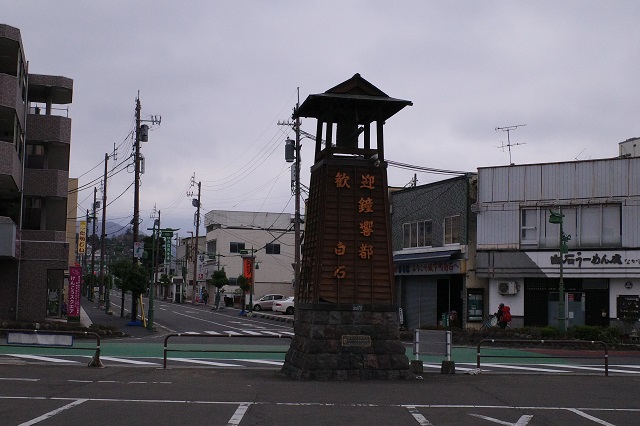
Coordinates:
<point>355,96</point>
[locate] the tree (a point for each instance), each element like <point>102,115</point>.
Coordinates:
<point>245,285</point>
<point>219,280</point>
<point>130,277</point>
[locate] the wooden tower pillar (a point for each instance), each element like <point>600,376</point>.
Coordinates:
<point>346,321</point>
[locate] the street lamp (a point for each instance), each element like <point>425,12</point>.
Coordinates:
<point>556,217</point>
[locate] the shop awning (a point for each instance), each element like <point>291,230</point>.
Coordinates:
<point>432,256</point>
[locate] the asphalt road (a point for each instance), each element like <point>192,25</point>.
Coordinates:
<point>65,395</point>
<point>187,318</point>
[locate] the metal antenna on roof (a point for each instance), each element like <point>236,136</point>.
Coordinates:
<point>508,129</point>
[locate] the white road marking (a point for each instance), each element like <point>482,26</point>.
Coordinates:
<point>253,333</point>
<point>587,416</point>
<point>260,361</point>
<point>44,358</point>
<point>601,369</point>
<point>213,333</point>
<point>53,413</point>
<point>201,361</point>
<point>438,366</point>
<point>233,333</point>
<point>127,360</point>
<point>239,414</point>
<point>273,333</point>
<point>517,367</point>
<point>422,421</point>
<point>18,379</point>
<point>522,421</point>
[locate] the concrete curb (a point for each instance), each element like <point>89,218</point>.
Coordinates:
<point>273,317</point>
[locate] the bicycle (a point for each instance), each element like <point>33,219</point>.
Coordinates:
<point>490,322</point>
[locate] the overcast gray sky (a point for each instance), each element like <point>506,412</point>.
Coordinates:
<point>223,73</point>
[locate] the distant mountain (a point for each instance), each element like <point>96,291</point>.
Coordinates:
<point>112,229</point>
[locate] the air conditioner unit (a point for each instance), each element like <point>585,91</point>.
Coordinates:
<point>508,287</point>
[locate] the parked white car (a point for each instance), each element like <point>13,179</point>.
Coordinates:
<point>286,306</point>
<point>266,301</point>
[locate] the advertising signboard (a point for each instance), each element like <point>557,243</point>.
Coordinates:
<point>73,307</point>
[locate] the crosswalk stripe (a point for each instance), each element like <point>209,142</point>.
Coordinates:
<point>233,333</point>
<point>201,361</point>
<point>43,358</point>
<point>213,333</point>
<point>254,333</point>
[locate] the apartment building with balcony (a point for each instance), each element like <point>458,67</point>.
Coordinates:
<point>35,137</point>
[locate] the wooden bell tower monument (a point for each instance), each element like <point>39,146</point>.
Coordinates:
<point>346,321</point>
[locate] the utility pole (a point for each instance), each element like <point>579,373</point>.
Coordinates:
<point>93,241</point>
<point>292,154</point>
<point>142,135</point>
<point>196,203</point>
<point>296,225</point>
<point>101,292</point>
<point>136,186</point>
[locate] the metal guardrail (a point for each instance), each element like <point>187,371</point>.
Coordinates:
<point>605,357</point>
<point>48,338</point>
<point>187,335</point>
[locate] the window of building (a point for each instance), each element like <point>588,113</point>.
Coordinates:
<point>35,156</point>
<point>211,249</point>
<point>417,234</point>
<point>236,247</point>
<point>589,226</point>
<point>452,230</point>
<point>273,248</point>
<point>529,226</point>
<point>32,214</point>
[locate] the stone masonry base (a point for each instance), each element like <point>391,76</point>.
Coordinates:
<point>346,345</point>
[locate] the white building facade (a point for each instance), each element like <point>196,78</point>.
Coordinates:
<point>269,236</point>
<point>518,248</point>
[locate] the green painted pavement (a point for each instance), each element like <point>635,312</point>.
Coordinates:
<point>271,352</point>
